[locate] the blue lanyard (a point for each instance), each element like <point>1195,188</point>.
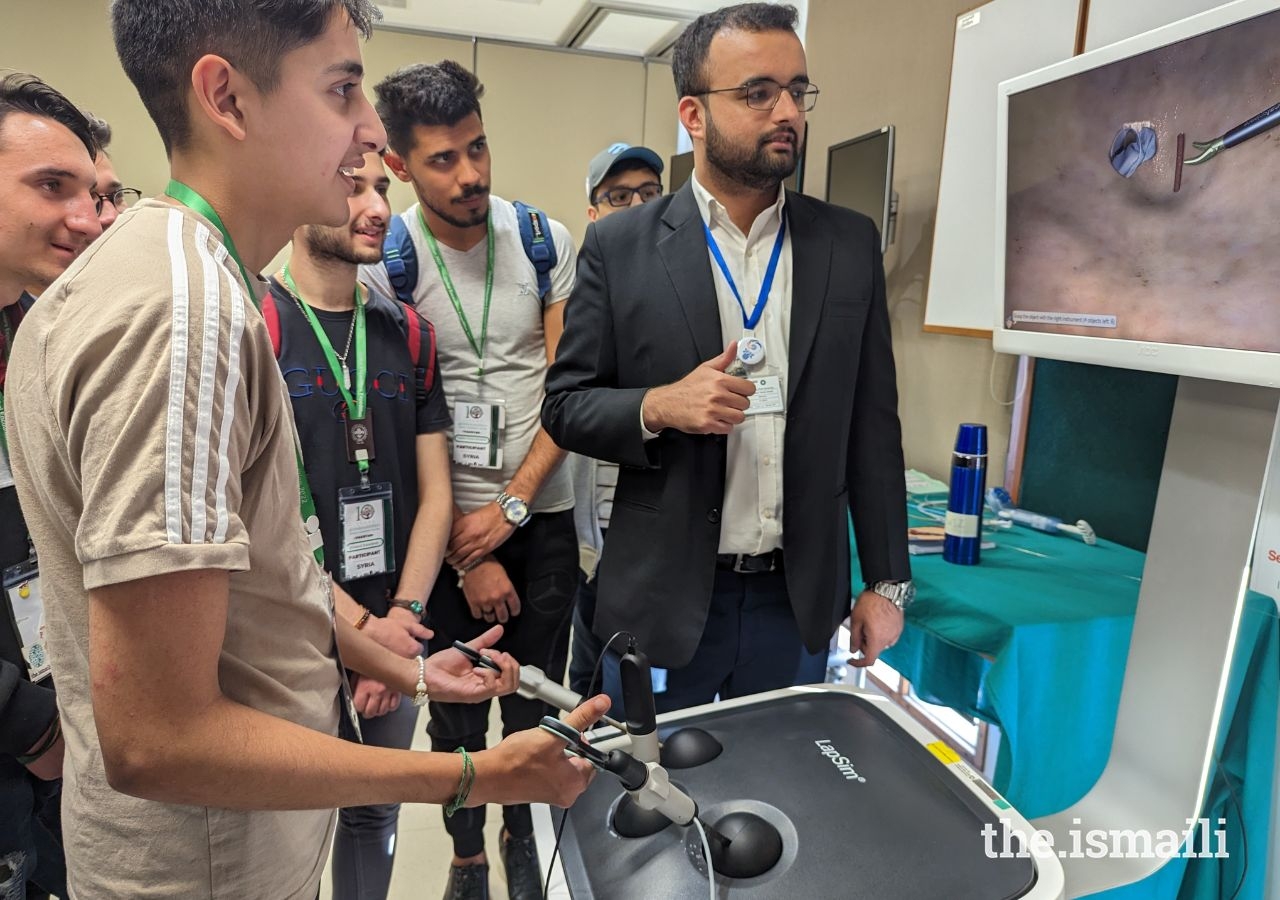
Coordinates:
<point>750,321</point>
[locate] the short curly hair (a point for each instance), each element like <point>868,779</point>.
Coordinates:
<point>441,94</point>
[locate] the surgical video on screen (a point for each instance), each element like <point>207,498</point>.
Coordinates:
<point>1144,196</point>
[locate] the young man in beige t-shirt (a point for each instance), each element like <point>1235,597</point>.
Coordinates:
<point>189,623</point>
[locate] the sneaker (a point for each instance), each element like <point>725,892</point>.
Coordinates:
<point>520,861</point>
<point>468,882</point>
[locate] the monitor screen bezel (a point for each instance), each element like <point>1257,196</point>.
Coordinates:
<point>888,176</point>
<point>1216,363</point>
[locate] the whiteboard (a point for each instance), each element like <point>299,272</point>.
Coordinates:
<point>1115,20</point>
<point>997,41</point>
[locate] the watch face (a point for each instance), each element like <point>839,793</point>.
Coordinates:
<point>515,510</point>
<point>416,608</point>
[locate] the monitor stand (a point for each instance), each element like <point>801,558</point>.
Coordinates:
<point>1189,606</point>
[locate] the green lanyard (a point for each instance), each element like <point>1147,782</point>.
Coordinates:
<point>193,201</point>
<point>453,293</point>
<point>357,404</point>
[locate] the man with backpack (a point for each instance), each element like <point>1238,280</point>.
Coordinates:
<point>492,277</point>
<point>364,384</point>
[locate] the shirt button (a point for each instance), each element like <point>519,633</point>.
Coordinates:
<point>768,514</point>
<point>713,516</point>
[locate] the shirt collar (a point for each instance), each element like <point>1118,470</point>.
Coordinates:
<point>714,213</point>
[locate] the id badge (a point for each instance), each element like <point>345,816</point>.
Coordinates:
<point>478,427</point>
<point>352,718</point>
<point>365,531</point>
<point>22,588</point>
<point>359,434</point>
<point>769,396</point>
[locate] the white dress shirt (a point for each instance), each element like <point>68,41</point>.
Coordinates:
<point>751,516</point>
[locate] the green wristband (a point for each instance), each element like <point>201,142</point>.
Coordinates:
<point>465,783</point>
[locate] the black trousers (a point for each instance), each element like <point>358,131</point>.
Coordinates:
<point>541,560</point>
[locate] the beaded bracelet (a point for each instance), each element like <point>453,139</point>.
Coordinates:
<point>464,784</point>
<point>46,745</point>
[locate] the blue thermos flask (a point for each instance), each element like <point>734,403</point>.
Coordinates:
<point>962,541</point>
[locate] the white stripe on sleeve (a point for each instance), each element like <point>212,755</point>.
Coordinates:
<point>177,382</point>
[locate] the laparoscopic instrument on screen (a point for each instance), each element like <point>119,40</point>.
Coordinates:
<point>1000,501</point>
<point>1263,121</point>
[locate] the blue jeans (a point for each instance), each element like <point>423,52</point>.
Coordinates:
<point>750,644</point>
<point>364,846</point>
<point>30,836</point>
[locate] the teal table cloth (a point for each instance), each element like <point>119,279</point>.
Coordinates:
<point>1035,639</point>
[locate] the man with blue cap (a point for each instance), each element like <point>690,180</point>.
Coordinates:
<point>619,177</point>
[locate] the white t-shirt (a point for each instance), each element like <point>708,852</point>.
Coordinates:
<point>515,368</point>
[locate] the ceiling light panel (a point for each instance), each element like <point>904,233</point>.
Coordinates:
<point>617,32</point>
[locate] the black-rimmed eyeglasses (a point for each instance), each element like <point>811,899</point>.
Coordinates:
<point>621,196</point>
<point>764,93</point>
<point>121,199</point>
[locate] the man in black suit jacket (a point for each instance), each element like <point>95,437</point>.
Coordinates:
<point>721,582</point>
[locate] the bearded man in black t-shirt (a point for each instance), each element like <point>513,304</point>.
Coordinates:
<point>365,388</point>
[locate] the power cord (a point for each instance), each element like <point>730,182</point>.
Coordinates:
<point>564,814</point>
<point>706,849</point>
<point>1244,833</point>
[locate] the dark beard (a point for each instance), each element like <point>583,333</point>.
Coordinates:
<point>758,170</point>
<point>477,218</point>
<point>324,245</point>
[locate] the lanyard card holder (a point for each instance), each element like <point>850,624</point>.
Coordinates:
<point>478,429</point>
<point>22,590</point>
<point>367,530</point>
<point>751,365</point>
<point>769,396</point>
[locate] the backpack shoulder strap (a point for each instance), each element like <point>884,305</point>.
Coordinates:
<point>535,234</point>
<point>401,259</point>
<point>414,324</point>
<point>271,316</point>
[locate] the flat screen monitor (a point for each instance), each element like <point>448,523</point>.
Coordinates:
<point>679,171</point>
<point>1137,223</point>
<point>681,168</point>
<point>860,177</point>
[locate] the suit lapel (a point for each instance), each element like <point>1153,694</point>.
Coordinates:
<point>684,253</point>
<point>810,265</point>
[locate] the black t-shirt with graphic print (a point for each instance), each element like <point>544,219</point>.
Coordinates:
<point>401,407</point>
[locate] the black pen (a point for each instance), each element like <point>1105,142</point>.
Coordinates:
<point>476,657</point>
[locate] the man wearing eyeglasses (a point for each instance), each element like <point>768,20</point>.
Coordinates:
<point>619,177</point>
<point>110,196</point>
<point>729,345</point>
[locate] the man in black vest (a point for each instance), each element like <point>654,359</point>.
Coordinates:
<point>729,345</point>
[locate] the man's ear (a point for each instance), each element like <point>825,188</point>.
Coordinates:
<point>693,116</point>
<point>395,162</point>
<point>592,213</point>
<point>220,90</point>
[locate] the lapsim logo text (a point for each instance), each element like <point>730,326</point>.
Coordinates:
<point>840,762</point>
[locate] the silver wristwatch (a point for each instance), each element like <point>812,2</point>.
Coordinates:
<point>899,593</point>
<point>514,510</point>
